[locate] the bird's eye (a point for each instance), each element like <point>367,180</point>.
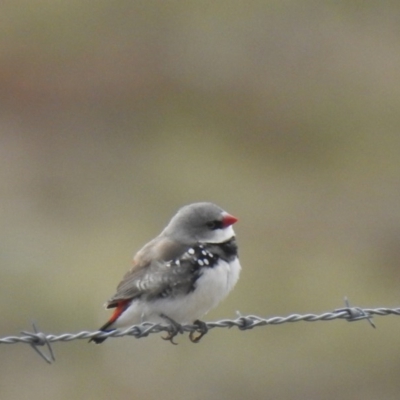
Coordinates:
<point>213,225</point>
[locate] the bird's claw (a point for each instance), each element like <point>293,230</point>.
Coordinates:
<point>173,330</point>
<point>202,329</point>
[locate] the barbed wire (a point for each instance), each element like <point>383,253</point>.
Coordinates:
<point>351,314</point>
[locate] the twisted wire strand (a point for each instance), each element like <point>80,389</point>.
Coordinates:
<point>243,323</point>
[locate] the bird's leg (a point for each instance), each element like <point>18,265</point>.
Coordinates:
<point>175,328</point>
<point>201,328</point>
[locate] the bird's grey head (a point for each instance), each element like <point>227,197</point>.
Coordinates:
<point>201,222</point>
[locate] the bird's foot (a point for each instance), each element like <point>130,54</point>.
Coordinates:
<point>202,329</point>
<point>174,329</point>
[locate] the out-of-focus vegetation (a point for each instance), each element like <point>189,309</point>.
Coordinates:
<point>114,114</point>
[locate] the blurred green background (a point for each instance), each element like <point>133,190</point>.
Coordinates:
<point>285,113</point>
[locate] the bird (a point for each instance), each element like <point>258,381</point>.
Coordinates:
<point>181,274</point>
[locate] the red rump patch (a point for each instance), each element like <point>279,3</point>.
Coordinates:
<point>121,307</point>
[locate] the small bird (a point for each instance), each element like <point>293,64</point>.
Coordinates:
<point>181,274</point>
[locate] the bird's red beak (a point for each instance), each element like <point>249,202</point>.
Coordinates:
<point>228,220</point>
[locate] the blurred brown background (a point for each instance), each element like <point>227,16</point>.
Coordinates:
<point>115,114</point>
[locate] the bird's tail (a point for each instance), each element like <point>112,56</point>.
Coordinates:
<point>103,329</point>
<point>120,308</point>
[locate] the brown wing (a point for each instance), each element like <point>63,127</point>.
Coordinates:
<point>150,270</point>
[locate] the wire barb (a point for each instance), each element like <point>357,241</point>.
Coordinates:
<point>355,313</point>
<point>40,339</point>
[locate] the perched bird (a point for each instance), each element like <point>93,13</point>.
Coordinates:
<point>181,274</point>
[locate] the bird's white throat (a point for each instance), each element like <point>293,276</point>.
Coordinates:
<point>222,235</point>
